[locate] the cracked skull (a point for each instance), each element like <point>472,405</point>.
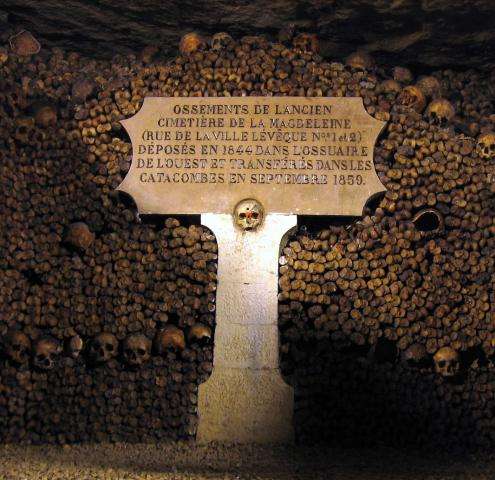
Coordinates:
<point>485,146</point>
<point>412,97</point>
<point>137,350</point>
<point>46,352</point>
<point>447,362</point>
<point>248,214</point>
<point>17,347</point>
<point>103,348</point>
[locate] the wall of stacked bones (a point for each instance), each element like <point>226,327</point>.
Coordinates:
<point>387,327</point>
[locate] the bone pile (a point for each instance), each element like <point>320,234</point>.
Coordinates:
<point>106,319</point>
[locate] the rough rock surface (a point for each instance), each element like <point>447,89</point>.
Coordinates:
<point>440,33</point>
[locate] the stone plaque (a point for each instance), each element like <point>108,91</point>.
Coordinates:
<point>296,155</point>
<point>249,166</point>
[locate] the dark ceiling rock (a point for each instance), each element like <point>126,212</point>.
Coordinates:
<point>418,33</point>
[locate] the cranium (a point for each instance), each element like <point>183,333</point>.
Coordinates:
<point>411,96</point>
<point>430,86</point>
<point>390,86</point>
<point>45,116</point>
<point>75,346</point>
<point>440,111</point>
<point>24,44</point>
<point>415,355</point>
<point>170,338</point>
<point>402,75</point>
<point>137,350</point>
<point>103,348</point>
<point>17,346</point>
<point>485,147</point>
<point>248,214</point>
<point>190,42</point>
<point>199,333</point>
<point>447,362</point>
<point>360,60</point>
<point>46,351</point>
<point>79,235</point>
<point>220,40</point>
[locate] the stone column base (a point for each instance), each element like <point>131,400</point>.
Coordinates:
<point>238,405</point>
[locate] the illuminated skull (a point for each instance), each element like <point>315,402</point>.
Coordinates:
<point>412,97</point>
<point>200,334</point>
<point>447,362</point>
<point>440,111</point>
<point>248,214</point>
<point>486,145</point>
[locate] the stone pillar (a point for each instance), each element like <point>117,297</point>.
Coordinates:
<point>246,400</point>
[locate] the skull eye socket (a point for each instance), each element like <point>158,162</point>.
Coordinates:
<point>255,215</point>
<point>141,351</point>
<point>16,348</point>
<point>442,363</point>
<point>242,215</point>
<point>109,347</point>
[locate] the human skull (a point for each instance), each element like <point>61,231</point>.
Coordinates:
<point>137,350</point>
<point>170,338</point>
<point>360,60</point>
<point>390,86</point>
<point>447,362</point>
<point>75,346</point>
<point>24,44</point>
<point>190,43</point>
<point>411,96</point>
<point>248,214</point>
<point>402,75</point>
<point>199,333</point>
<point>103,348</point>
<point>485,146</point>
<point>220,40</point>
<point>440,111</point>
<point>79,235</point>
<point>46,351</point>
<point>430,86</point>
<point>17,347</point>
<point>415,355</point>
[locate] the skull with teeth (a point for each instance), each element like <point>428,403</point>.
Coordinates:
<point>46,352</point>
<point>103,348</point>
<point>137,350</point>
<point>17,347</point>
<point>411,96</point>
<point>485,146</point>
<point>440,111</point>
<point>248,214</point>
<point>170,338</point>
<point>447,362</point>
